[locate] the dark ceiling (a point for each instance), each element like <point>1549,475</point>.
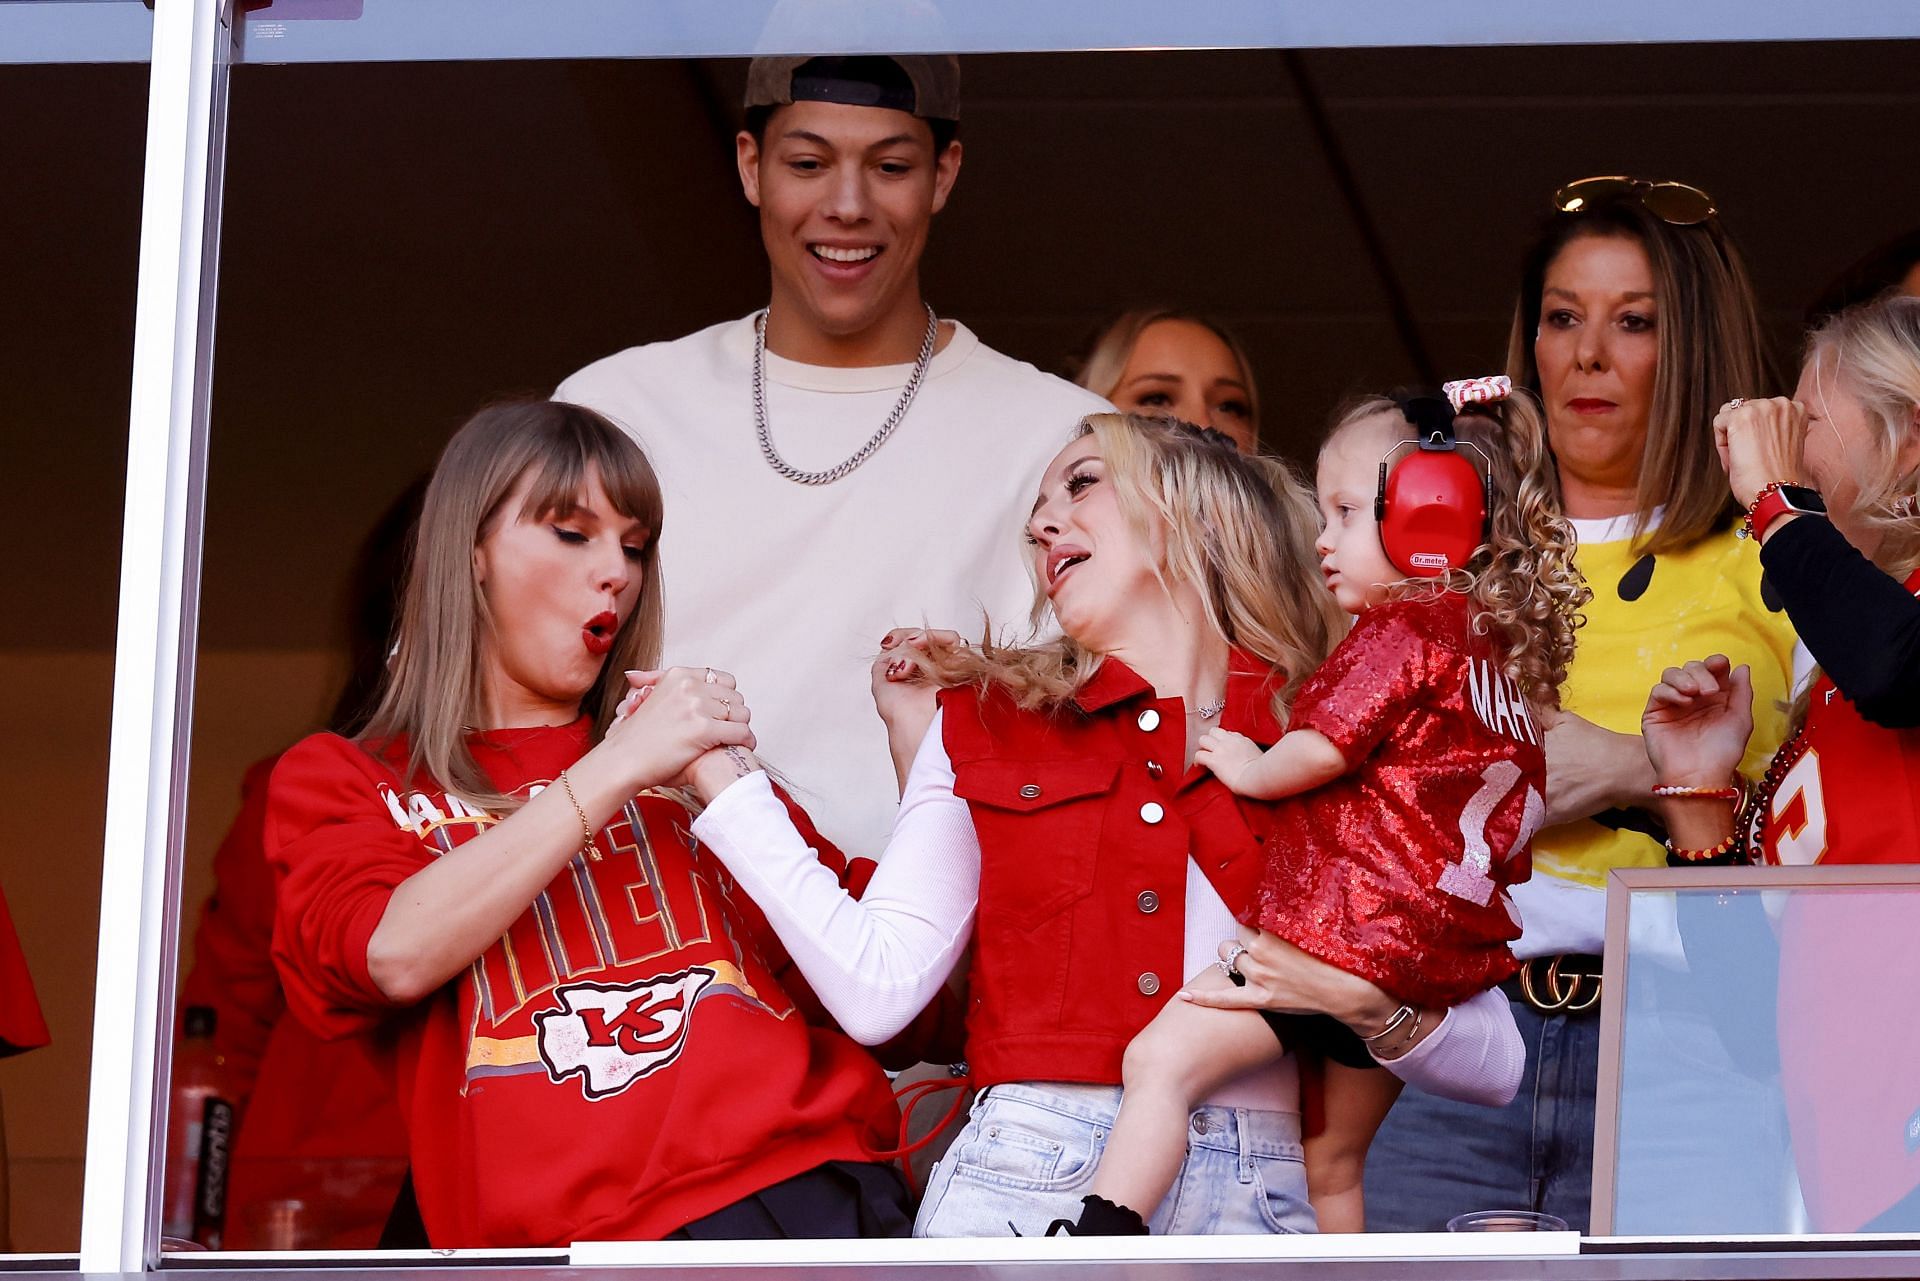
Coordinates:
<point>403,241</point>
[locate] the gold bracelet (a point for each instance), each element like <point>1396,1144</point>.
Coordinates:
<point>1400,1016</point>
<point>592,848</point>
<point>1406,1042</point>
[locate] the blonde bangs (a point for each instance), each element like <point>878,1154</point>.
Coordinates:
<point>436,688</point>
<point>558,475</point>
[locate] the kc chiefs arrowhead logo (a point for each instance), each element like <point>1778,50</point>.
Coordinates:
<point>613,1036</point>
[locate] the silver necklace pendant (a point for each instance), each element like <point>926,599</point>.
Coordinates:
<point>1213,709</point>
<point>866,451</point>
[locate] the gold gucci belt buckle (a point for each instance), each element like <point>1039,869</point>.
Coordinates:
<point>1548,989</point>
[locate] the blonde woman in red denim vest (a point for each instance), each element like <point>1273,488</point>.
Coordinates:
<point>1051,818</point>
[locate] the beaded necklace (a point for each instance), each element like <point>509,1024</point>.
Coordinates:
<point>1752,821</point>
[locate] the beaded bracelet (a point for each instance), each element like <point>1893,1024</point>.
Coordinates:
<point>1701,793</point>
<point>1771,487</point>
<point>1707,855</point>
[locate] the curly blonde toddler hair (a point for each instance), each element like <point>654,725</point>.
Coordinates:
<point>1522,579</point>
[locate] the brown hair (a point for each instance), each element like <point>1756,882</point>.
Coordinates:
<point>1240,528</point>
<point>1521,580</point>
<point>435,690</point>
<point>1112,347</point>
<point>1711,350</point>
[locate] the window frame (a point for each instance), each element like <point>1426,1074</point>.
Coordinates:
<point>1622,885</point>
<point>194,44</point>
<point>155,638</point>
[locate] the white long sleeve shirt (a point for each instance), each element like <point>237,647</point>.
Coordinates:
<point>878,961</point>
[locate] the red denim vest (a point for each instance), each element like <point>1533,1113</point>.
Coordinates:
<point>1086,821</point>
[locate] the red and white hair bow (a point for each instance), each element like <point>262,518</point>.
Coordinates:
<point>1477,391</point>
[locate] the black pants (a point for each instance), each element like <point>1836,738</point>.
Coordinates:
<point>1320,1034</point>
<point>404,1230</point>
<point>838,1200</point>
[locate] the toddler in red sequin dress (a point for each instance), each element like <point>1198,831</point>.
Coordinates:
<point>1407,787</point>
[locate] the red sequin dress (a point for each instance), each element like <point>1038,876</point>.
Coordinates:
<point>1397,871</point>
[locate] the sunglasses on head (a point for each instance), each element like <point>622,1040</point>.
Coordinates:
<point>1671,202</point>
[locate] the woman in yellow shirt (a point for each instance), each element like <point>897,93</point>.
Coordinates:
<point>1635,322</point>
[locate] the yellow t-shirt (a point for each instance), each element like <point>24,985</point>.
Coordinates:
<point>1649,613</point>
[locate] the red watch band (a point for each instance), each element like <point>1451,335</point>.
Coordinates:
<point>1771,507</point>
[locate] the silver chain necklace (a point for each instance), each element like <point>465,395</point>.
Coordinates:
<point>866,451</point>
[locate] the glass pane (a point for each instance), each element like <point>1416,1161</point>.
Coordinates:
<point>1766,1084</point>
<point>375,30</point>
<point>68,259</point>
<point>402,243</point>
<point>75,31</point>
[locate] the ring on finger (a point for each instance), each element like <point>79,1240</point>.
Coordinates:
<point>726,709</point>
<point>711,678</point>
<point>1230,959</point>
<point>1735,403</point>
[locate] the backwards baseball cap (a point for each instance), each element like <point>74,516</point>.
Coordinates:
<point>923,85</point>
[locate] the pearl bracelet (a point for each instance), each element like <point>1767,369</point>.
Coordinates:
<point>1701,793</point>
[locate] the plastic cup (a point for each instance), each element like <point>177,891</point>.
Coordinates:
<point>1506,1221</point>
<point>282,1224</point>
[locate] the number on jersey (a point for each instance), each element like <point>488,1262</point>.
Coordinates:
<point>1799,814</point>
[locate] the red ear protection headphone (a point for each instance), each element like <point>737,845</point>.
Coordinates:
<point>1432,505</point>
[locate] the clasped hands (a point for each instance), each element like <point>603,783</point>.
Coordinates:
<point>684,727</point>
<point>692,726</point>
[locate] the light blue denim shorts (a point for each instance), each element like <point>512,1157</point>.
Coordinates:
<point>1028,1153</point>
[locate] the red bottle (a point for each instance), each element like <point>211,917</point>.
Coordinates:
<point>199,1136</point>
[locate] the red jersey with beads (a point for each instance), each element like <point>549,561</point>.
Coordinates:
<point>1842,790</point>
<point>1397,871</point>
<point>627,1058</point>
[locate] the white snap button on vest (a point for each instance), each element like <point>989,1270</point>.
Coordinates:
<point>1151,812</point>
<point>1149,721</point>
<point>1149,984</point>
